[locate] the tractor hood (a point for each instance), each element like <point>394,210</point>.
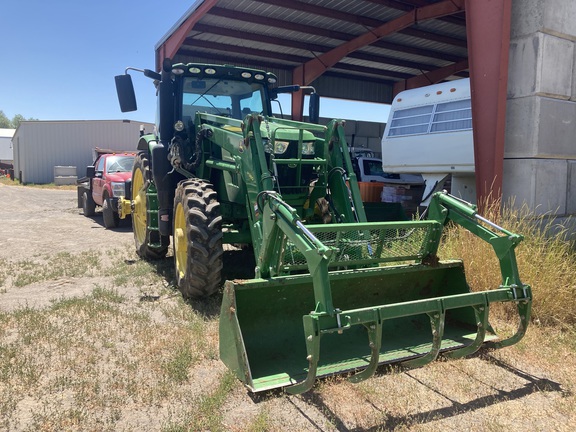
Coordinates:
<point>284,133</point>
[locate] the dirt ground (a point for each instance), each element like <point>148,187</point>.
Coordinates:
<point>34,222</point>
<point>525,387</point>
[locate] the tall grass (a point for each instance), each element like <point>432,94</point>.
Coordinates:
<point>546,261</point>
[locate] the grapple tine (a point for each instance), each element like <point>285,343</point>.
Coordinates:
<point>481,313</point>
<point>437,323</point>
<point>312,335</point>
<point>375,338</point>
<point>524,310</point>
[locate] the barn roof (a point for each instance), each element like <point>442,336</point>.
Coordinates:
<point>355,49</point>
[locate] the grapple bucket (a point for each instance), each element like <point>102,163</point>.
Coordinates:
<point>381,302</point>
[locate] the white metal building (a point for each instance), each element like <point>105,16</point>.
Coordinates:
<point>6,145</point>
<point>39,146</point>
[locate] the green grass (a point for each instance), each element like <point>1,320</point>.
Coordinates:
<point>50,267</point>
<point>206,411</point>
<point>100,352</point>
<point>115,265</point>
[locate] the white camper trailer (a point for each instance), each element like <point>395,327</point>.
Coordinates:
<point>429,132</point>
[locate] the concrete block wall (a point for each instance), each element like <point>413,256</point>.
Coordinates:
<point>540,149</point>
<point>363,134</point>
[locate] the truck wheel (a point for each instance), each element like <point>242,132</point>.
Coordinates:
<point>149,243</point>
<point>197,239</point>
<point>111,218</point>
<point>88,204</point>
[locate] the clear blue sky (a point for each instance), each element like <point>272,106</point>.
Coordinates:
<point>60,58</point>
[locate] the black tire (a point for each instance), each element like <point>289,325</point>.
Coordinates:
<point>149,243</point>
<point>88,204</point>
<point>197,239</point>
<point>111,218</point>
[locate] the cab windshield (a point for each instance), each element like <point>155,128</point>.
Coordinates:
<point>221,96</point>
<point>119,163</point>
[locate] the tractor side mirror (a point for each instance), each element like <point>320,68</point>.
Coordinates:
<point>90,171</point>
<point>314,108</point>
<point>125,91</point>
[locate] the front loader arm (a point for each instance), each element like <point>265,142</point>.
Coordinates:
<point>280,222</point>
<point>342,180</point>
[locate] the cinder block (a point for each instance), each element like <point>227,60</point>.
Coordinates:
<point>557,131</point>
<point>522,125</point>
<point>571,193</point>
<point>350,127</point>
<point>382,128</point>
<point>527,17</point>
<point>550,16</point>
<point>375,144</point>
<point>540,127</point>
<point>573,97</point>
<point>360,141</point>
<point>541,64</point>
<point>556,62</point>
<point>368,129</point>
<point>522,66</point>
<point>541,184</point>
<point>559,17</point>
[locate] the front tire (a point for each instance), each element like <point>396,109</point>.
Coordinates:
<point>149,243</point>
<point>197,239</point>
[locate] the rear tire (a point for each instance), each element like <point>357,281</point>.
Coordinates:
<point>88,204</point>
<point>149,243</point>
<point>197,239</point>
<point>111,218</point>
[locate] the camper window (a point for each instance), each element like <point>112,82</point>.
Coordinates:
<point>411,121</point>
<point>451,116</point>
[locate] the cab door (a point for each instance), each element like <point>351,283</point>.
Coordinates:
<point>98,181</point>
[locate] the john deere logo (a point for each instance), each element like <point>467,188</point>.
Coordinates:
<point>241,146</point>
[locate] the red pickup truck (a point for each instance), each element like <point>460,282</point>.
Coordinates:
<point>104,183</point>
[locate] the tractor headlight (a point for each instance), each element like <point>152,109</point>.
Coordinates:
<point>118,189</point>
<point>179,126</point>
<point>280,147</point>
<point>308,148</point>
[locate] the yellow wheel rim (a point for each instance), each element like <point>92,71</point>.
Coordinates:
<point>139,216</point>
<point>180,241</point>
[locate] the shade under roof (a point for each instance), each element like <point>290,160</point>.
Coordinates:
<point>423,38</point>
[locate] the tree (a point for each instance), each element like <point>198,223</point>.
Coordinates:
<point>18,118</point>
<point>5,123</point>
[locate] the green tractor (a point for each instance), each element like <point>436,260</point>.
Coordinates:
<point>331,292</point>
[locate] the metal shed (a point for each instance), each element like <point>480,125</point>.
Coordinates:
<point>39,146</point>
<point>6,145</point>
